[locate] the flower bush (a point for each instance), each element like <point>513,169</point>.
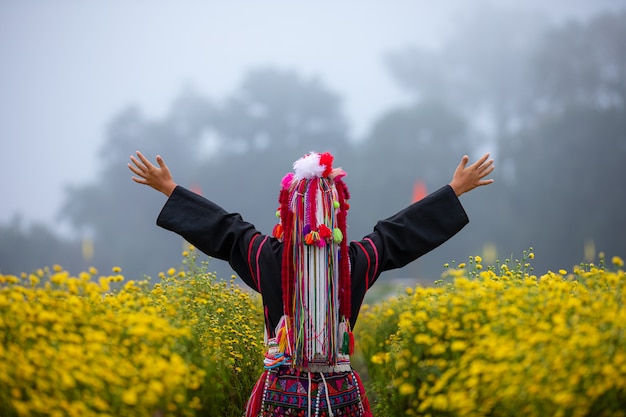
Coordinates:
<point>486,341</point>
<point>71,346</point>
<point>500,341</point>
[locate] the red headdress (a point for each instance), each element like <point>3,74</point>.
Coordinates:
<point>315,269</point>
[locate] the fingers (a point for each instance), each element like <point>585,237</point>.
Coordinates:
<point>139,180</point>
<point>466,178</point>
<point>145,165</point>
<point>161,162</point>
<point>463,162</point>
<point>141,169</point>
<point>145,161</point>
<point>479,164</point>
<point>137,168</point>
<point>487,169</point>
<point>483,166</point>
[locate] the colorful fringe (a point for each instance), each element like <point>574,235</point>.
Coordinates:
<point>315,272</point>
<point>315,308</point>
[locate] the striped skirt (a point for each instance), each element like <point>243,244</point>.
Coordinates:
<point>286,391</point>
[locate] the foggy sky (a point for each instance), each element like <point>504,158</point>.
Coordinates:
<point>68,67</point>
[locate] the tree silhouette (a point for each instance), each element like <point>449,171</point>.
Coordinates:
<point>281,111</point>
<point>548,100</point>
<point>566,183</point>
<point>216,149</point>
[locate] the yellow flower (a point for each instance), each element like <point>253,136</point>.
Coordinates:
<point>59,278</point>
<point>116,269</point>
<point>406,389</point>
<point>458,345</point>
<point>104,283</point>
<point>195,403</point>
<point>378,358</point>
<point>617,261</point>
<point>436,326</point>
<point>440,402</point>
<point>438,349</point>
<point>171,272</point>
<point>423,339</point>
<point>34,279</point>
<point>130,397</point>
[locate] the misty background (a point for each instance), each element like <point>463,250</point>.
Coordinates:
<point>230,94</point>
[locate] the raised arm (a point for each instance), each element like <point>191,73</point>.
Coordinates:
<point>159,178</point>
<point>466,178</point>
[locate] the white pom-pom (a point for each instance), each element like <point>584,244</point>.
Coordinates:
<point>308,167</point>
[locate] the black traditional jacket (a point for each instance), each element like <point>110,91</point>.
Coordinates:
<point>256,258</point>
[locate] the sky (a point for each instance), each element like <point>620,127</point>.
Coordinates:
<point>68,67</point>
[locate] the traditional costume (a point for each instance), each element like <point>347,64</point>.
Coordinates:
<point>311,279</point>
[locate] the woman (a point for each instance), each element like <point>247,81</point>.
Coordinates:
<point>312,280</point>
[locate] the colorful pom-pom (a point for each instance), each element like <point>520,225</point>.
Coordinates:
<point>326,159</point>
<point>278,214</point>
<point>312,238</point>
<point>325,232</point>
<point>278,231</point>
<point>336,204</point>
<point>308,167</point>
<point>337,235</point>
<point>286,181</point>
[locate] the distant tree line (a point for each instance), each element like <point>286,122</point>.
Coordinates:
<point>548,101</point>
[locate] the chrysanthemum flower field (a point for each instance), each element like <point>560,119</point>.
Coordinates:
<point>501,341</point>
<point>186,345</point>
<point>484,341</point>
